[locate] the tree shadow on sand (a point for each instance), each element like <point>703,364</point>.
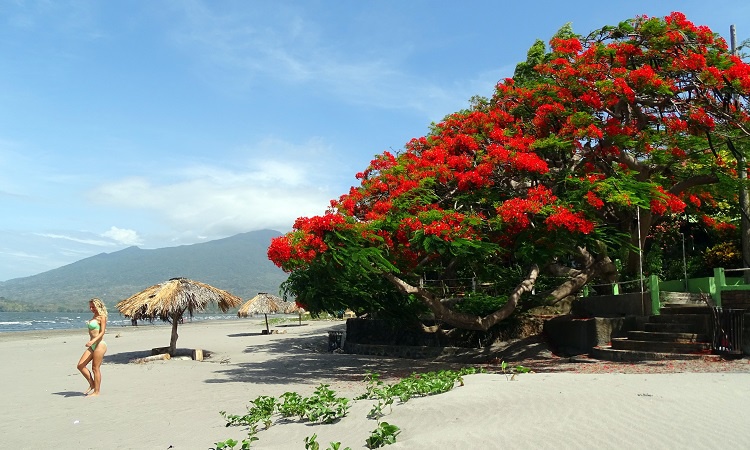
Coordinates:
<point>136,356</point>
<point>245,334</point>
<point>125,357</point>
<point>304,358</point>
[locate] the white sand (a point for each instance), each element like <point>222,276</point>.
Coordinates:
<point>176,403</point>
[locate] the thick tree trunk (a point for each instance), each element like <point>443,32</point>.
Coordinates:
<point>463,320</point>
<point>745,217</point>
<point>578,278</point>
<point>646,218</point>
<point>634,256</point>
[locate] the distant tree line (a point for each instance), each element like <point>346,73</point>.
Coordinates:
<point>15,306</point>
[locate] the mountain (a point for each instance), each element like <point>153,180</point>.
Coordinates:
<point>237,264</point>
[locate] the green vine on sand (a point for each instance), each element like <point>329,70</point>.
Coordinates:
<point>415,385</point>
<point>325,407</point>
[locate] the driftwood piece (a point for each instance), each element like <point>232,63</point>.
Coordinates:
<point>160,357</point>
<point>195,354</point>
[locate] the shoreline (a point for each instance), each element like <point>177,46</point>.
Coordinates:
<point>45,334</point>
<point>119,322</point>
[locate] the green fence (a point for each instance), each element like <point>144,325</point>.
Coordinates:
<point>712,286</point>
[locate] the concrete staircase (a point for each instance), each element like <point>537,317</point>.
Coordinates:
<point>681,331</point>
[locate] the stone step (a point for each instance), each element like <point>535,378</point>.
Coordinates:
<point>681,298</point>
<point>685,309</point>
<point>672,328</point>
<point>678,318</point>
<point>667,336</point>
<point>611,354</point>
<point>699,320</point>
<point>660,347</point>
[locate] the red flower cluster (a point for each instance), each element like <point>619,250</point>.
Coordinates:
<point>739,75</point>
<point>280,251</point>
<point>450,227</point>
<point>566,46</point>
<point>594,201</point>
<point>573,222</point>
<point>720,227</point>
<point>666,201</point>
<point>319,224</point>
<point>516,212</point>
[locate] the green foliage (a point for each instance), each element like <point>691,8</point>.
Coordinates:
<point>292,405</point>
<point>231,443</point>
<point>384,434</point>
<point>264,407</point>
<point>536,55</point>
<point>510,372</point>
<point>415,385</point>
<point>329,288</point>
<point>311,443</point>
<point>653,261</point>
<point>480,304</point>
<point>13,306</point>
<point>725,254</point>
<point>323,406</point>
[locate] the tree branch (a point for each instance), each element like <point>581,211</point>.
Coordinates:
<point>463,320</point>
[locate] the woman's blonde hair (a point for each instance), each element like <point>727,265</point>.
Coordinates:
<point>99,305</point>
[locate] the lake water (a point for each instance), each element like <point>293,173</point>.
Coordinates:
<point>33,321</point>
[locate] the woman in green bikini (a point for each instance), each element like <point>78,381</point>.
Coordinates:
<point>95,347</point>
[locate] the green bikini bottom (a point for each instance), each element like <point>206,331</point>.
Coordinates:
<point>93,346</point>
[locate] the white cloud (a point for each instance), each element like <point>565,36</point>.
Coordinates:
<point>96,242</point>
<point>214,201</point>
<point>214,205</point>
<point>123,236</point>
<point>19,254</point>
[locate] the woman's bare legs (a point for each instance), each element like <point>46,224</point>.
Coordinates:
<point>96,365</point>
<point>87,356</point>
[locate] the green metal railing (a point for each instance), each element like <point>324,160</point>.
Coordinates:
<point>712,286</point>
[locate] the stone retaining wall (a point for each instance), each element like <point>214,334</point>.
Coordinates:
<point>569,335</point>
<point>632,304</point>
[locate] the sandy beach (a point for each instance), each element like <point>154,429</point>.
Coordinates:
<point>567,403</point>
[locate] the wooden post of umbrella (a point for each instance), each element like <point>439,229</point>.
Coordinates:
<point>173,341</point>
<point>268,331</point>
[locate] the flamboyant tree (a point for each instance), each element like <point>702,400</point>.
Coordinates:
<point>548,175</point>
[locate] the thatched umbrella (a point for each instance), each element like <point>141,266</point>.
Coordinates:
<point>170,300</point>
<point>293,308</point>
<point>262,303</point>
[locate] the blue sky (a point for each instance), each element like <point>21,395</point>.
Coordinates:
<point>163,123</point>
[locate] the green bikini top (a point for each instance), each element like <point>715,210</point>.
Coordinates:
<point>93,324</point>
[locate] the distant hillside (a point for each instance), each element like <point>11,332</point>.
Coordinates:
<point>237,264</point>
